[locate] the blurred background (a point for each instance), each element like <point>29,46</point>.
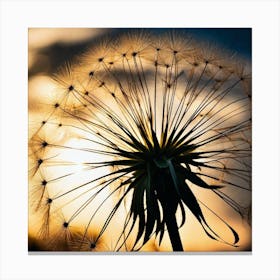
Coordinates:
<point>50,48</point>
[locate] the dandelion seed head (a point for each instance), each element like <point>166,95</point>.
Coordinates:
<point>152,128</point>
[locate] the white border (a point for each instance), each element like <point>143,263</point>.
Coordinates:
<point>262,16</point>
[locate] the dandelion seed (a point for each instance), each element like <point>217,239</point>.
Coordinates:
<point>44,183</point>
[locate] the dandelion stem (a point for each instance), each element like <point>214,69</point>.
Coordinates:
<point>173,232</point>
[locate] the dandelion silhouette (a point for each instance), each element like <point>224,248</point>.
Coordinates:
<point>137,126</point>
